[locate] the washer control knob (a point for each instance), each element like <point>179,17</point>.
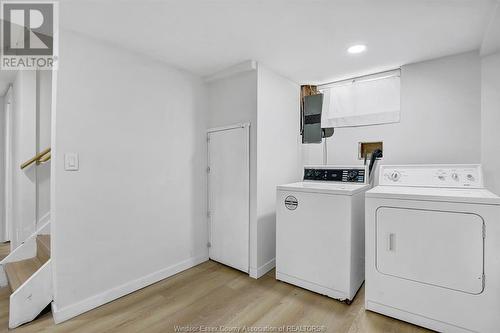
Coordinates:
<point>454,176</point>
<point>395,176</point>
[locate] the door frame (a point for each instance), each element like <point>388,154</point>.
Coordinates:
<point>246,126</point>
<point>8,227</point>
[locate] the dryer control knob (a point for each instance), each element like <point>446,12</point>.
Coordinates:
<point>454,176</point>
<point>395,176</point>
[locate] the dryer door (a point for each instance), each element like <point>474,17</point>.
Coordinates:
<point>443,249</point>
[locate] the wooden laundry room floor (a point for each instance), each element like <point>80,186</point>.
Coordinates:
<point>211,295</point>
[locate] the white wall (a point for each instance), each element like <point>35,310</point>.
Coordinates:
<point>491,39</point>
<point>44,91</point>
<point>134,213</point>
<point>490,87</point>
<point>2,169</point>
<point>440,118</point>
<point>30,99</point>
<point>278,154</point>
<point>24,136</point>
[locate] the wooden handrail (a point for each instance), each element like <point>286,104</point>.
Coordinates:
<point>45,158</point>
<point>35,158</point>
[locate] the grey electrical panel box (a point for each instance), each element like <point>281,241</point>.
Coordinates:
<point>311,119</point>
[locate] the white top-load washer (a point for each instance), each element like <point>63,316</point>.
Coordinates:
<point>433,248</point>
<point>320,230</point>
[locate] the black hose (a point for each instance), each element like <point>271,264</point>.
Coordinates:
<point>377,153</point>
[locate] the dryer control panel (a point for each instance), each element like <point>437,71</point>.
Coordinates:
<point>437,175</point>
<point>340,174</point>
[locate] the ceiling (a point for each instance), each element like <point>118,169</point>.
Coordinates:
<point>304,40</point>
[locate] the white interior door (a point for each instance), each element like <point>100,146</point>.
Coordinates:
<point>228,195</point>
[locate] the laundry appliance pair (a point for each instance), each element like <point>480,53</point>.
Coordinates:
<point>430,234</point>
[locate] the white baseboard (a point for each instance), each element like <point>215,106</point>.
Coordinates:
<point>92,302</point>
<point>258,272</point>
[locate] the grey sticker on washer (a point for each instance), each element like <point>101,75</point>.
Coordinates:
<point>291,202</point>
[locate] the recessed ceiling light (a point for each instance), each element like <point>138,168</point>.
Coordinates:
<point>356,49</point>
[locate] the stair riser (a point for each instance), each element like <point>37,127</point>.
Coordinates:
<point>42,252</point>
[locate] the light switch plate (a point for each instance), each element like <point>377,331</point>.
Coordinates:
<point>71,162</point>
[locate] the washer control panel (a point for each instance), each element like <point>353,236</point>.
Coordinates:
<point>453,176</point>
<point>341,174</point>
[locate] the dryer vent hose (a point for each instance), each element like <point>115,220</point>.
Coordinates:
<point>377,153</point>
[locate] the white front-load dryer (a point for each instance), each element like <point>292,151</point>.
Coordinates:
<point>320,230</point>
<point>433,248</point>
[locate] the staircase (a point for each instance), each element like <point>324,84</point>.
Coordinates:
<point>19,272</point>
<point>27,270</point>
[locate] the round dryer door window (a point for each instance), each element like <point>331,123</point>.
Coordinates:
<point>291,202</point>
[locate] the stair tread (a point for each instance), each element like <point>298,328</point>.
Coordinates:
<point>19,271</point>
<point>43,247</point>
